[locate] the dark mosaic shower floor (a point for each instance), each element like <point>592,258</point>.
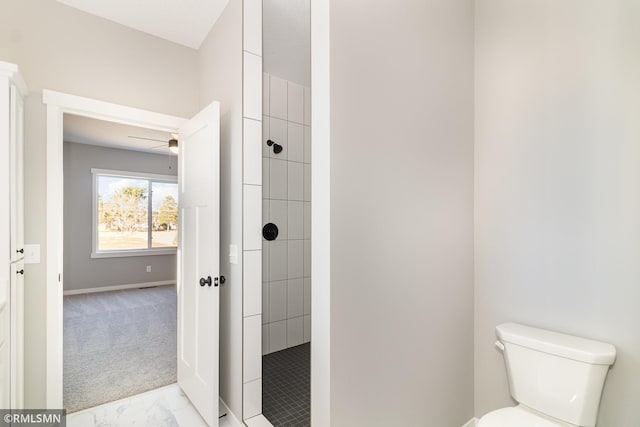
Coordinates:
<point>286,387</point>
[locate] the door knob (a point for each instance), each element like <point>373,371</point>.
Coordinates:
<point>20,272</point>
<point>206,281</point>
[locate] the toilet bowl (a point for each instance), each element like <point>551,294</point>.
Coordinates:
<point>556,379</point>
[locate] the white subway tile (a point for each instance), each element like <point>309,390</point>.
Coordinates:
<point>265,93</point>
<point>252,283</point>
<point>278,179</point>
<point>252,88</point>
<point>279,134</point>
<point>265,303</point>
<point>277,260</point>
<point>307,258</point>
<point>295,103</point>
<point>252,351</point>
<point>295,181</point>
<point>307,295</point>
<point>278,216</point>
<point>307,220</point>
<point>295,266</point>
<point>307,182</point>
<point>266,150</point>
<point>252,37</point>
<point>277,336</point>
<point>295,217</point>
<point>265,178</point>
<point>295,141</point>
<point>265,339</point>
<point>265,261</point>
<point>277,301</point>
<point>278,98</point>
<point>307,106</point>
<point>307,328</point>
<point>295,298</point>
<point>307,144</point>
<point>252,399</point>
<point>295,331</point>
<point>252,222</point>
<point>252,155</point>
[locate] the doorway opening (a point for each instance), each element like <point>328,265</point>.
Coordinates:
<point>120,242</point>
<point>287,201</point>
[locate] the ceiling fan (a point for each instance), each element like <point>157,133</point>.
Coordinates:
<point>172,143</point>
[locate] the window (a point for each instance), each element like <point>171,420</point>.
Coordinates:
<point>134,214</point>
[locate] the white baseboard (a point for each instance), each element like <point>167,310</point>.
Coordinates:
<point>119,287</point>
<point>473,422</point>
<point>233,420</point>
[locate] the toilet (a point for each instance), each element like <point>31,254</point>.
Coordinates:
<point>556,379</point>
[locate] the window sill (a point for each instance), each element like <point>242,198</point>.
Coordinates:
<point>143,252</point>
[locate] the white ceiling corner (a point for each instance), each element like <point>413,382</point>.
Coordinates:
<point>186,22</point>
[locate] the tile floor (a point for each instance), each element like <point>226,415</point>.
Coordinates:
<point>163,407</point>
<point>286,387</point>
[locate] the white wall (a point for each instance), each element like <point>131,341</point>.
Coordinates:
<point>557,158</point>
<point>63,49</point>
<point>401,212</point>
<point>286,183</point>
<point>80,270</point>
<point>220,78</point>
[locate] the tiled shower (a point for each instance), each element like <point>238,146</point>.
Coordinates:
<point>286,261</point>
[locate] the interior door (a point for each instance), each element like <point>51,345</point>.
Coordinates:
<point>198,266</point>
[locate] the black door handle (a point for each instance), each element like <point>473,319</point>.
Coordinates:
<point>20,251</point>
<point>206,281</point>
<point>20,272</point>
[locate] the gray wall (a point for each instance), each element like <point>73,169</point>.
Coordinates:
<point>557,167</point>
<point>63,49</point>
<point>220,78</point>
<point>80,270</point>
<point>401,213</point>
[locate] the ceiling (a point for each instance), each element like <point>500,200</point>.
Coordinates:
<point>83,130</point>
<point>286,29</point>
<point>186,22</point>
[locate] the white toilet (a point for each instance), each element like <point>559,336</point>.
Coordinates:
<point>557,379</point>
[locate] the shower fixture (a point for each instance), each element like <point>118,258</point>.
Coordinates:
<point>277,148</point>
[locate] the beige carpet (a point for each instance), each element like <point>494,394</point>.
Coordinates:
<point>117,344</point>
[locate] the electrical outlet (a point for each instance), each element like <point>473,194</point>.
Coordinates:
<point>148,269</point>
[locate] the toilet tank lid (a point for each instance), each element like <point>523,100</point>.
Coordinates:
<point>569,346</point>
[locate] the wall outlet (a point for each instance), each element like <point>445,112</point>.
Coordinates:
<point>148,269</point>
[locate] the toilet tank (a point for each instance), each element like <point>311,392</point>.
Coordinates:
<point>558,375</point>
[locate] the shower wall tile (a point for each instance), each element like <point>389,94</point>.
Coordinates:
<point>295,140</point>
<point>278,179</point>
<point>252,81</point>
<point>295,298</point>
<point>295,218</point>
<point>286,291</point>
<point>307,258</point>
<point>296,181</point>
<point>252,146</point>
<point>307,106</point>
<point>295,103</point>
<point>252,363</point>
<point>252,282</point>
<point>307,144</point>
<point>295,266</point>
<point>252,223</point>
<point>278,216</point>
<point>295,331</point>
<point>278,133</point>
<point>278,98</point>
<point>307,329</point>
<point>277,260</point>
<point>278,301</point>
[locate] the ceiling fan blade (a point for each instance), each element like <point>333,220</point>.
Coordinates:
<point>148,139</point>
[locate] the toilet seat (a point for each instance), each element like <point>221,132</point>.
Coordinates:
<point>517,416</point>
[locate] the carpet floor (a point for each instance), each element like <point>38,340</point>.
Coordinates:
<point>286,390</point>
<point>118,344</point>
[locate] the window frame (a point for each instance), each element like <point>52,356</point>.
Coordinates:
<point>150,178</point>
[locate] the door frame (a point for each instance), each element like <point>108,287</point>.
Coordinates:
<point>58,104</point>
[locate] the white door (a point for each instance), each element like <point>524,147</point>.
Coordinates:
<point>198,252</point>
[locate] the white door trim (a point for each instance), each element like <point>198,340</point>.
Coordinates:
<point>57,105</point>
